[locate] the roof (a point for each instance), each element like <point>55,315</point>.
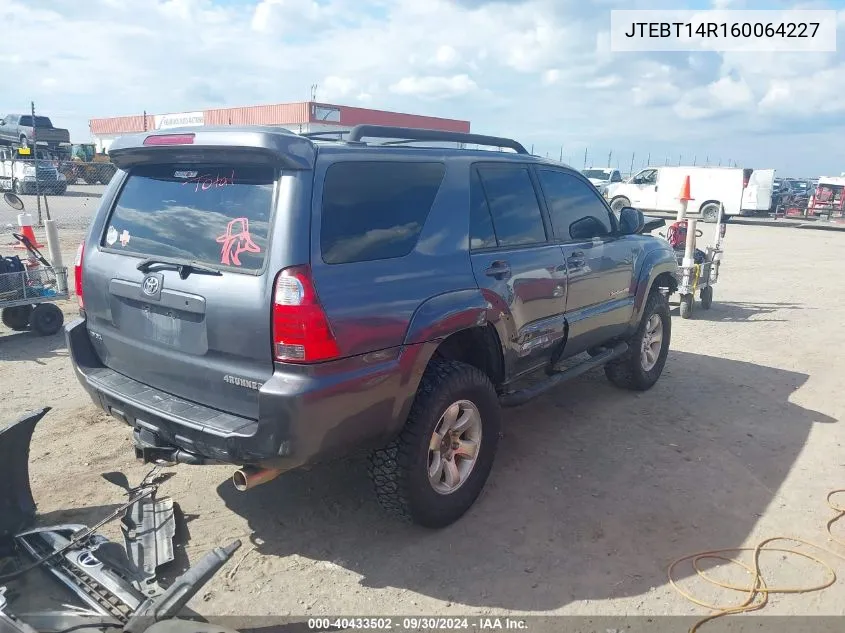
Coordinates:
<point>302,113</point>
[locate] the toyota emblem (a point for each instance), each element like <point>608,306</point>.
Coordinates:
<point>150,286</point>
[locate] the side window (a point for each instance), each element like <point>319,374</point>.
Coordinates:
<point>376,210</point>
<point>517,219</point>
<point>616,177</point>
<point>576,211</point>
<point>481,233</point>
<point>648,177</point>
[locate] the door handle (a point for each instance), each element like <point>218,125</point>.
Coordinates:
<point>499,270</point>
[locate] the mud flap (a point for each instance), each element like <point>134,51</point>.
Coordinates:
<point>17,507</point>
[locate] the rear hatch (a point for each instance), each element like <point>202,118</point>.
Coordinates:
<point>177,272</point>
<point>757,195</point>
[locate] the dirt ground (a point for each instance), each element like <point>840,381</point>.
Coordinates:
<point>594,493</point>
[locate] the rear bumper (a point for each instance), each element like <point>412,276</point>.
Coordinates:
<point>306,414</point>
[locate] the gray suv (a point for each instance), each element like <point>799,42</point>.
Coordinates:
<point>260,298</point>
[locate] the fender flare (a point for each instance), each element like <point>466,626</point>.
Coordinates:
<point>655,263</point>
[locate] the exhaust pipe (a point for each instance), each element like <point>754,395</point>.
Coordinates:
<point>249,477</point>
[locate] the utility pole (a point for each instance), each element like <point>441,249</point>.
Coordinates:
<point>34,151</point>
<point>632,162</point>
<point>145,120</point>
<point>585,158</point>
<point>680,158</point>
<point>313,92</point>
<point>648,160</point>
<point>609,156</point>
<point>561,153</point>
<point>694,159</point>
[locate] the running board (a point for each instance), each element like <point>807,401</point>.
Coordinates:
<point>516,398</point>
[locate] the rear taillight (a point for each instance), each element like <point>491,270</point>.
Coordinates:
<point>301,330</point>
<point>170,139</point>
<point>77,274</point>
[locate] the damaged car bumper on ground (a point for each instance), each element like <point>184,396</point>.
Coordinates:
<point>115,586</point>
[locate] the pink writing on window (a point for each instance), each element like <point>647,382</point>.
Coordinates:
<point>236,240</point>
<point>207,181</point>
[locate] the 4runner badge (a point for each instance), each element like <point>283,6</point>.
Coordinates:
<point>242,382</point>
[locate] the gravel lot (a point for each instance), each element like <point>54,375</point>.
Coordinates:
<point>594,492</point>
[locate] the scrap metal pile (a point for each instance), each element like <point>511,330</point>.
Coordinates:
<point>114,586</point>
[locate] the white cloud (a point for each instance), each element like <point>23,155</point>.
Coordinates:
<point>551,77</point>
<point>433,87</point>
<point>446,56</point>
<point>477,60</point>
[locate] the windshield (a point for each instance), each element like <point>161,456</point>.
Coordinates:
<point>598,174</point>
<point>215,214</point>
<point>40,121</point>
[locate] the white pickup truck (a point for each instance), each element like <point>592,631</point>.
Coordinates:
<point>741,191</point>
<point>18,173</point>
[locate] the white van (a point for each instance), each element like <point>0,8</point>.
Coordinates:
<point>741,191</point>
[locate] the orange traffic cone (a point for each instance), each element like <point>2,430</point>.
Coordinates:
<point>685,192</point>
<point>25,224</point>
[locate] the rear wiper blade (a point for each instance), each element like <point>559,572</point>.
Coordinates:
<point>182,267</point>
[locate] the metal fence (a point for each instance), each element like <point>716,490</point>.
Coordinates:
<point>50,175</point>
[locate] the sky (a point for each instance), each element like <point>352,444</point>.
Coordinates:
<point>540,71</point>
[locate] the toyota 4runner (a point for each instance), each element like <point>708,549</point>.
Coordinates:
<point>270,300</point>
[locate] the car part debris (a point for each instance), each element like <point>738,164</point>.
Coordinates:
<point>117,585</point>
<point>17,507</point>
<point>8,622</point>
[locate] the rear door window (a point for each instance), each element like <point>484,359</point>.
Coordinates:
<point>517,219</point>
<point>215,214</point>
<point>375,210</point>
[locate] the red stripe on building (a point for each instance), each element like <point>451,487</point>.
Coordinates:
<point>284,114</point>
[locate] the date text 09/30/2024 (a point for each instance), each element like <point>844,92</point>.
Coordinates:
<point>419,624</point>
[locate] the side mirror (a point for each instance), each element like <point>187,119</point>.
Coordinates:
<point>631,221</point>
<point>13,201</point>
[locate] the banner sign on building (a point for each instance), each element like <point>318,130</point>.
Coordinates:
<point>167,121</point>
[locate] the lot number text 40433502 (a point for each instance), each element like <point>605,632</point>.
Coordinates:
<point>418,623</point>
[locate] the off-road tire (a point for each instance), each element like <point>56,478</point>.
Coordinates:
<point>17,318</point>
<point>706,297</point>
<point>617,204</point>
<point>627,371</point>
<point>399,471</point>
<point>46,319</point>
<point>710,213</point>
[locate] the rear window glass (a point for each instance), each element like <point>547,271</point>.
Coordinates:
<point>375,210</point>
<point>211,213</point>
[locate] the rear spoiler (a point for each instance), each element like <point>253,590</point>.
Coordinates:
<point>240,144</point>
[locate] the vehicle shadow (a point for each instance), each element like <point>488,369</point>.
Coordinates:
<point>28,345</point>
<point>594,492</point>
<point>737,312</point>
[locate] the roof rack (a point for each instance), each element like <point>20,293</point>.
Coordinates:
<point>330,133</point>
<point>411,134</point>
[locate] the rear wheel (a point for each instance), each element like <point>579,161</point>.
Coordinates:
<point>46,319</point>
<point>17,318</point>
<point>687,302</point>
<point>435,469</point>
<point>710,213</point>
<point>617,204</point>
<point>641,366</point>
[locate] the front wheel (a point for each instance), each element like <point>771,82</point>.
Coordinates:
<point>435,469</point>
<point>46,319</point>
<point>706,297</point>
<point>641,366</point>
